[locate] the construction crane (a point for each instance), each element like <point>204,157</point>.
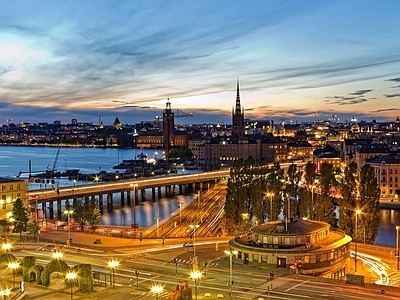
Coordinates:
<point>55,162</point>
<point>177,114</point>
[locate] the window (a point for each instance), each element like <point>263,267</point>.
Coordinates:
<point>3,188</point>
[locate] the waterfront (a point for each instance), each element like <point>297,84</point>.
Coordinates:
<point>92,160</point>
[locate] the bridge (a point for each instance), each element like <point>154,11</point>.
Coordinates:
<point>172,184</point>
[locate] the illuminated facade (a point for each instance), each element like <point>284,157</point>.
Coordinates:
<point>11,189</point>
<point>304,246</point>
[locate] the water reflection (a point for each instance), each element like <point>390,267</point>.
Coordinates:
<point>387,230</point>
<point>146,212</point>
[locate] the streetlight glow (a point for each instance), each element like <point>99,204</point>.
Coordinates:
<point>230,253</point>
<point>194,227</point>
<point>69,212</point>
<point>157,290</point>
<point>112,264</point>
<point>13,266</point>
<point>71,276</point>
<point>358,211</point>
<point>6,247</point>
<point>57,255</point>
<point>195,275</point>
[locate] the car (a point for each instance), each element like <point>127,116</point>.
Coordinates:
<point>188,244</point>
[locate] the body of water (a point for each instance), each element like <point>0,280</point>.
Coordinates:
<point>15,159</point>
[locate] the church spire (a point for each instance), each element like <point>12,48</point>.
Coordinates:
<point>238,109</point>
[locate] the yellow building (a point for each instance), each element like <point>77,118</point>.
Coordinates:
<point>11,189</point>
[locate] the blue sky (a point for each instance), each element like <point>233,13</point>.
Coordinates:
<point>296,60</point>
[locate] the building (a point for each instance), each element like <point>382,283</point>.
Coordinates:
<point>329,158</point>
<point>369,151</point>
<point>237,115</point>
<point>304,246</point>
<point>299,150</point>
<point>168,128</point>
<point>11,189</point>
<point>387,173</point>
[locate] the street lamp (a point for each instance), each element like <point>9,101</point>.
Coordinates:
<point>134,186</point>
<point>230,253</point>
<point>6,247</point>
<point>180,212</point>
<point>270,195</point>
<point>71,276</point>
<point>69,212</point>
<point>157,290</point>
<point>312,202</point>
<point>397,246</point>
<point>57,255</point>
<point>5,293</point>
<point>358,211</point>
<point>112,264</point>
<point>194,227</point>
<point>13,266</point>
<point>195,275</point>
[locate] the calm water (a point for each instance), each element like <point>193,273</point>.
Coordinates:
<point>92,160</point>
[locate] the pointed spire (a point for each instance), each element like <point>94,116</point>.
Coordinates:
<point>237,109</point>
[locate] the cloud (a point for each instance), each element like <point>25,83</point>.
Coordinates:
<point>360,92</point>
<point>392,95</point>
<point>397,79</point>
<point>385,109</point>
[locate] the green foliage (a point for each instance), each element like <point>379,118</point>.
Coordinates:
<point>86,212</point>
<point>347,204</point>
<point>27,263</point>
<point>324,205</point>
<point>275,185</point>
<point>33,227</point>
<point>56,265</point>
<point>310,174</point>
<point>85,278</point>
<point>20,216</point>
<point>7,258</point>
<point>292,189</point>
<point>368,203</point>
<point>182,153</point>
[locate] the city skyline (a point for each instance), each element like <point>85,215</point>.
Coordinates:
<point>296,60</point>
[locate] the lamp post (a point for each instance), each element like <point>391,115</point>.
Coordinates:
<point>196,275</point>
<point>358,211</point>
<point>194,227</point>
<point>13,266</point>
<point>397,246</point>
<point>270,195</point>
<point>157,290</point>
<point>71,276</point>
<point>69,212</point>
<point>6,247</point>
<point>112,264</point>
<point>312,202</point>
<point>230,253</point>
<point>180,212</point>
<point>5,293</point>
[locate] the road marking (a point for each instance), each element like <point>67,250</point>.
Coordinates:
<point>295,286</point>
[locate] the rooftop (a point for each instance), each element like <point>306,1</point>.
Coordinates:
<point>298,227</point>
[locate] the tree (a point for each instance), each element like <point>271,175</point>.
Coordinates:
<point>347,203</point>
<point>93,214</point>
<point>368,203</point>
<point>20,215</point>
<point>33,227</point>
<point>306,202</point>
<point>275,185</point>
<point>79,212</point>
<point>292,188</point>
<point>324,206</point>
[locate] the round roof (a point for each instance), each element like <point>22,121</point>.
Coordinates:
<point>296,227</point>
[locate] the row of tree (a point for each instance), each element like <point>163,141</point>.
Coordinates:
<point>84,211</point>
<point>256,193</point>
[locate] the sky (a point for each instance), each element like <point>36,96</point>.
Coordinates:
<point>296,60</point>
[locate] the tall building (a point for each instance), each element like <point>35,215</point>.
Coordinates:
<point>168,128</point>
<point>237,115</point>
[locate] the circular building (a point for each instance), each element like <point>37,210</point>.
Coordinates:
<point>305,246</point>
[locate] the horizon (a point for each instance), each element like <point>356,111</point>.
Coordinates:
<point>296,60</point>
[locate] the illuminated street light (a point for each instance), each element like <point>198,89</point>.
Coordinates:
<point>195,275</point>
<point>5,293</point>
<point>358,211</point>
<point>312,202</point>
<point>69,212</point>
<point>71,276</point>
<point>13,266</point>
<point>397,246</point>
<point>157,290</point>
<point>6,247</point>
<point>230,253</point>
<point>194,227</point>
<point>57,255</point>
<point>270,195</point>
<point>113,264</point>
